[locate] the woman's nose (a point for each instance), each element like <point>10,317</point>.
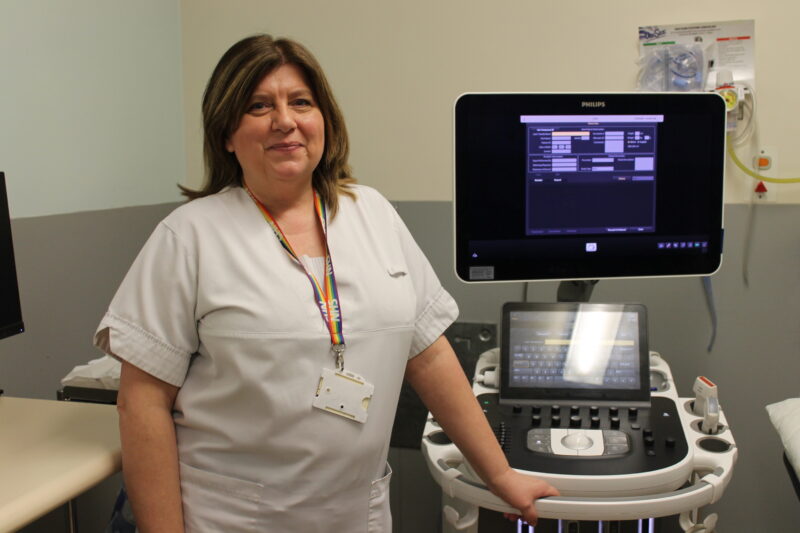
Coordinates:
<point>282,119</point>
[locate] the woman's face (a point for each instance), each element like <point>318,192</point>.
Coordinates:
<point>281,136</point>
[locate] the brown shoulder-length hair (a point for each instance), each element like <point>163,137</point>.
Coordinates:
<point>227,96</point>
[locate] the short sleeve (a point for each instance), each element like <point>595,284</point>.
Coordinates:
<point>151,321</point>
<point>436,309</point>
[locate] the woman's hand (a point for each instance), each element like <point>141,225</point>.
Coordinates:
<point>439,380</point>
<point>520,492</point>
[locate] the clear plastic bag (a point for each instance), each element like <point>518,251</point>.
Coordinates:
<point>673,67</point>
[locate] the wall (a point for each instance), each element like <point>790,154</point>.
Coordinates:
<point>397,67</point>
<point>90,116</point>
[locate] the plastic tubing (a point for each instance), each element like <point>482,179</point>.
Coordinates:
<point>752,174</point>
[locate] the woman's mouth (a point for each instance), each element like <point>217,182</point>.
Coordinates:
<point>285,147</point>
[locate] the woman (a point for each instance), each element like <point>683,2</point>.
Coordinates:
<point>266,326</point>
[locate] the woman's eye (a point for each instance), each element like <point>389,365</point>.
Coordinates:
<point>302,102</point>
<point>257,107</point>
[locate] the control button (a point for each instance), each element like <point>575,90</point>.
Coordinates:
<point>575,421</point>
<point>540,448</point>
<point>635,426</point>
<point>542,433</point>
<point>614,422</point>
<point>555,420</point>
<point>633,412</point>
<point>616,449</point>
<point>613,411</point>
<point>574,410</point>
<point>670,442</point>
<point>595,421</point>
<point>517,409</point>
<point>536,409</point>
<point>555,409</point>
<point>536,420</point>
<point>649,441</point>
<point>651,453</point>
<point>500,433</point>
<point>616,442</point>
<point>577,441</point>
<point>647,432</point>
<point>538,440</point>
<point>594,410</point>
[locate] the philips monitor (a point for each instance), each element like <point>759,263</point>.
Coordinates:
<point>10,312</point>
<point>575,186</point>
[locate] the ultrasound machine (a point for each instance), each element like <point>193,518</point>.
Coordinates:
<point>581,187</point>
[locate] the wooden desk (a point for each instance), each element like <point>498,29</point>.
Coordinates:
<point>50,452</point>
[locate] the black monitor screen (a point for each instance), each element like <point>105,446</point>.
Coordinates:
<point>10,313</point>
<point>588,186</point>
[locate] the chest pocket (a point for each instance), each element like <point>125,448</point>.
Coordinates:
<point>377,291</point>
<point>397,270</point>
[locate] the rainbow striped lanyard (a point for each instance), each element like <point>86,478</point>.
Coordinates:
<point>327,294</point>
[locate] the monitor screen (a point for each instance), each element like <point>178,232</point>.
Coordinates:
<point>575,352</point>
<point>10,312</point>
<point>588,186</point>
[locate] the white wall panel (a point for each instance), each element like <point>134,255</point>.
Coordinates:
<point>90,104</point>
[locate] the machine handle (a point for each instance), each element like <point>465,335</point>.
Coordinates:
<point>701,493</point>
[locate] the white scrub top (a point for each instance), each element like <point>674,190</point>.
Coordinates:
<point>215,306</point>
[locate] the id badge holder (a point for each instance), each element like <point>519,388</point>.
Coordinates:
<point>343,393</point>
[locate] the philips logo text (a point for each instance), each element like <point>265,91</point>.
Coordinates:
<point>593,104</point>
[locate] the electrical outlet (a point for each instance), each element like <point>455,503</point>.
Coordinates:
<point>765,163</point>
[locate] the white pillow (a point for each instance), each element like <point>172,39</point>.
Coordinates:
<point>785,416</point>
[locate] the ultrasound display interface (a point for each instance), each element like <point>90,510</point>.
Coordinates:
<point>576,351</point>
<point>599,161</point>
<point>588,186</point>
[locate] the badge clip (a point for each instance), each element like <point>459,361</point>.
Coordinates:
<point>344,394</point>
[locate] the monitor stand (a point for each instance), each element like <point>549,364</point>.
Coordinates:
<point>575,290</point>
